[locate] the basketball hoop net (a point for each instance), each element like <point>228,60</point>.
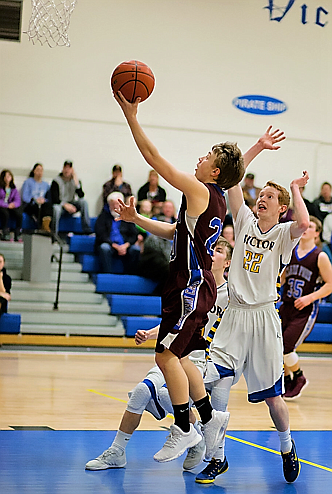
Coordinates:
<point>49,22</point>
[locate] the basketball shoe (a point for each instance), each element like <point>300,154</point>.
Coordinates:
<point>210,472</point>
<point>195,455</point>
<point>113,457</point>
<point>299,383</point>
<point>213,432</point>
<point>177,442</point>
<point>291,464</point>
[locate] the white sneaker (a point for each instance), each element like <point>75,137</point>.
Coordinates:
<point>177,442</point>
<point>111,458</point>
<point>213,432</point>
<point>195,455</point>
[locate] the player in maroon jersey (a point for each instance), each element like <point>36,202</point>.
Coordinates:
<point>301,295</point>
<point>190,291</point>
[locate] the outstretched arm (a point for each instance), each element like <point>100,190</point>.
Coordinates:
<point>301,214</point>
<point>269,140</point>
<point>129,214</point>
<point>185,182</point>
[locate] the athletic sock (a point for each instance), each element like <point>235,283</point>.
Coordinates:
<point>204,409</point>
<point>285,441</point>
<point>121,440</point>
<point>297,373</point>
<point>181,416</point>
<point>288,379</point>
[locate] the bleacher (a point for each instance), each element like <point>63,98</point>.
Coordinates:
<point>130,297</point>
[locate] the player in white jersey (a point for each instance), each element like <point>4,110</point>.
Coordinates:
<point>152,395</point>
<point>249,339</point>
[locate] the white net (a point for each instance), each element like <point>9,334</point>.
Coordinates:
<point>49,22</point>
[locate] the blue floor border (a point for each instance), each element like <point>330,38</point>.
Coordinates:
<point>53,462</point>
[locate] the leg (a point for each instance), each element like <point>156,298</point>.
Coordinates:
<point>115,456</point>
<point>17,215</point>
<point>105,255</point>
<point>295,386</point>
<point>57,212</point>
<point>4,217</point>
<point>280,417</point>
<point>82,206</point>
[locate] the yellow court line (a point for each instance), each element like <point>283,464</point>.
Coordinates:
<point>229,437</point>
<point>276,452</point>
<point>106,396</point>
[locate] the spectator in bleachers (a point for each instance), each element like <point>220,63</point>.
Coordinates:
<point>323,203</point>
<point>228,233</point>
<point>154,261</point>
<point>145,208</point>
<point>167,212</point>
<point>116,184</point>
<point>64,189</point>
<point>250,191</point>
<point>116,239</point>
<point>152,190</point>
<point>327,229</point>
<point>35,198</point>
<point>10,205</point>
<point>5,286</point>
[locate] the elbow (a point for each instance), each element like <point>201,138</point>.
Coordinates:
<point>304,224</point>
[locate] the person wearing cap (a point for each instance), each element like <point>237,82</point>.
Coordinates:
<point>116,183</point>
<point>250,191</point>
<point>115,239</point>
<point>64,189</point>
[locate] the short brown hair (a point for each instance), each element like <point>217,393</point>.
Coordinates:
<point>283,196</point>
<point>230,162</point>
<point>318,223</point>
<point>222,241</point>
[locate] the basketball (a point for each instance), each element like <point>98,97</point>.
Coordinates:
<point>134,79</point>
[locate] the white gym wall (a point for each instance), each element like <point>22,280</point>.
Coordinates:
<point>55,103</point>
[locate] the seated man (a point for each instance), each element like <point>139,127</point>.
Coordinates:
<point>115,239</point>
<point>63,189</point>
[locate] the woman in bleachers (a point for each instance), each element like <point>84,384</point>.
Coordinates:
<point>10,202</point>
<point>35,198</point>
<point>5,286</point>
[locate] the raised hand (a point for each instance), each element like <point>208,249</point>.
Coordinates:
<point>127,213</point>
<point>129,109</point>
<point>302,181</point>
<point>271,138</point>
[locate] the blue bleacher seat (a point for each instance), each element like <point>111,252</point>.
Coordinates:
<point>82,244</point>
<point>325,313</point>
<point>133,323</point>
<point>124,283</point>
<point>67,223</point>
<point>10,323</point>
<point>321,333</point>
<point>134,305</point>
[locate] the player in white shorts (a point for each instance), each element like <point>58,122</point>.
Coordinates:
<point>152,395</point>
<point>249,339</point>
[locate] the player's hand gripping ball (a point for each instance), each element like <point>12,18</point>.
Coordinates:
<point>134,79</point>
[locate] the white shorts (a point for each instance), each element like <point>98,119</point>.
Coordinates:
<point>249,341</point>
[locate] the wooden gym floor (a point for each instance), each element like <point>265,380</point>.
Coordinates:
<point>60,409</point>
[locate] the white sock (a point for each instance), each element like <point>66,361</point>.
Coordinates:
<point>285,441</point>
<point>121,440</point>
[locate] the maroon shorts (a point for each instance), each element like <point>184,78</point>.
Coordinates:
<point>296,324</point>
<point>186,301</point>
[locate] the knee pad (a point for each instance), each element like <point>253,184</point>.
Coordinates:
<point>139,397</point>
<point>165,400</point>
<point>291,359</point>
